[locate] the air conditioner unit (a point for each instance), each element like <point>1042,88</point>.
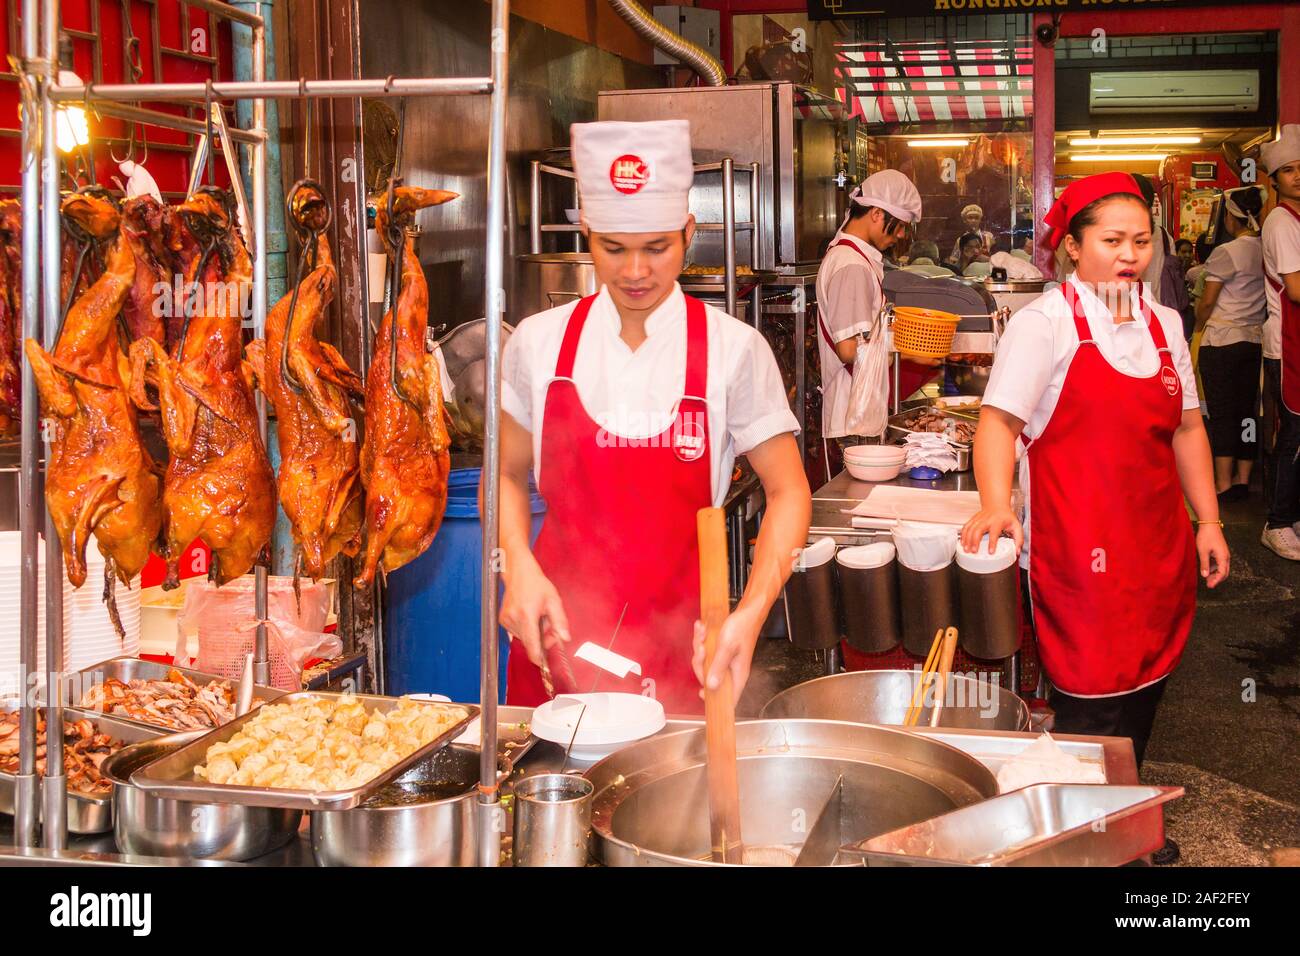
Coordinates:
<point>1188,91</point>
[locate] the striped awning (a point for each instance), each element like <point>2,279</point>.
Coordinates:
<point>886,83</point>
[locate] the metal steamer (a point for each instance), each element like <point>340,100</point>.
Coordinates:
<point>34,802</point>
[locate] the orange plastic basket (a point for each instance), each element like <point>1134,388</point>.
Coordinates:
<point>924,333</point>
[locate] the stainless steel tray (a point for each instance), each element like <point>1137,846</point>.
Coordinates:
<point>86,814</point>
<point>1047,824</point>
<point>173,774</point>
<point>127,669</point>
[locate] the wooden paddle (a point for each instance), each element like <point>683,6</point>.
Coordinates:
<point>719,709</point>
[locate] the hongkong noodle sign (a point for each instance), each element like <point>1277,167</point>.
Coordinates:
<point>834,9</point>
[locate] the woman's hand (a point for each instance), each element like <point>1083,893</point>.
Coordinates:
<point>993,522</point>
<point>1212,549</point>
<point>736,642</point>
<point>532,610</point>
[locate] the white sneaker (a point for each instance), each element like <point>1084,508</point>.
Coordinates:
<point>1282,541</point>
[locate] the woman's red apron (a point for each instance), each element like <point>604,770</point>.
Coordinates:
<point>620,532</point>
<point>911,375</point>
<point>1290,321</point>
<point>1112,556</point>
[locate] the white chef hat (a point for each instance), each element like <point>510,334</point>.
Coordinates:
<point>1285,149</point>
<point>972,208</point>
<point>633,177</point>
<point>891,191</point>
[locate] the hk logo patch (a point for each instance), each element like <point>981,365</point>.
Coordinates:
<point>1169,379</point>
<point>688,441</point>
<point>629,174</point>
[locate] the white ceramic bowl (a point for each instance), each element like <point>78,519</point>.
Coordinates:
<point>875,454</point>
<point>873,472</point>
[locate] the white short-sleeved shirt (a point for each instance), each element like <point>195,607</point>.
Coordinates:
<point>1281,239</point>
<point>1035,351</point>
<point>1240,310</point>
<point>849,295</point>
<point>635,393</point>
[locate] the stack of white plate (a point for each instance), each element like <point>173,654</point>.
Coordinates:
<point>88,634</point>
<point>874,462</point>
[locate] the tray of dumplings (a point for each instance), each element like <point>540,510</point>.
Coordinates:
<point>308,751</point>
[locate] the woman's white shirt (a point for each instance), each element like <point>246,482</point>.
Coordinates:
<point>1035,352</point>
<point>634,394</point>
<point>1241,308</point>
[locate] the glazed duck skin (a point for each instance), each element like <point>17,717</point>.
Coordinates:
<point>11,280</point>
<point>219,487</point>
<point>101,480</point>
<point>143,219</point>
<point>406,457</point>
<point>310,385</point>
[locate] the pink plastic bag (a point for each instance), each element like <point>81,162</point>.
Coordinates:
<point>225,622</point>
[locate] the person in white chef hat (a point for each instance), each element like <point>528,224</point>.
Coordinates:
<point>1281,240</point>
<point>850,292</point>
<point>631,406</point>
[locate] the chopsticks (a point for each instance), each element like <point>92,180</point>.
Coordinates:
<point>937,663</point>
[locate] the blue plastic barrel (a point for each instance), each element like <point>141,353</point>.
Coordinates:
<point>431,624</point>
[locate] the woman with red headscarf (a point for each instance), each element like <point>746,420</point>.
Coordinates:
<point>1095,382</point>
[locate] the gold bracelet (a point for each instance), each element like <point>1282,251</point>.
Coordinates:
<point>1200,522</point>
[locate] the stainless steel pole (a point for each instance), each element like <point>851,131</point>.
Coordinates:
<point>491,816</point>
<point>261,663</point>
<point>535,207</point>
<point>729,232</point>
<point>227,11</point>
<point>26,784</point>
<point>54,788</point>
<point>166,120</point>
<point>272,89</point>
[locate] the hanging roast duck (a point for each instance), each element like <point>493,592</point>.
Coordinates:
<point>310,386</point>
<point>100,479</point>
<point>11,285</point>
<point>219,487</point>
<point>406,456</point>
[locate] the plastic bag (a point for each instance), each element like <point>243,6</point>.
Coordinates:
<point>225,621</point>
<point>868,409</point>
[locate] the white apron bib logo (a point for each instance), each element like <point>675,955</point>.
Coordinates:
<point>688,441</point>
<point>1169,379</point>
<point>629,173</point>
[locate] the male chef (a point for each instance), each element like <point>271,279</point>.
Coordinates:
<point>1281,240</point>
<point>850,291</point>
<point>630,406</point>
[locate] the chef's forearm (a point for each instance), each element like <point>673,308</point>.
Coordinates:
<point>995,458</point>
<point>1196,466</point>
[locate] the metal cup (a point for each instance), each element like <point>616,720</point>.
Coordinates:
<point>552,820</point>
<point>929,604</point>
<point>872,623</point>
<point>811,608</point>
<point>990,612</point>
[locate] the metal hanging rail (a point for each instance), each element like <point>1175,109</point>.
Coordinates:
<point>41,273</point>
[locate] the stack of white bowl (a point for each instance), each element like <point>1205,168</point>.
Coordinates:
<point>874,462</point>
<point>88,634</point>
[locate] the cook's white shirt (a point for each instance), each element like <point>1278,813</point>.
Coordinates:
<point>848,300</point>
<point>634,394</point>
<point>1281,238</point>
<point>1035,351</point>
<point>1240,310</point>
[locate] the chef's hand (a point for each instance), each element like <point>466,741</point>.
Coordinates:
<point>735,653</point>
<point>532,610</point>
<point>1212,549</point>
<point>991,521</point>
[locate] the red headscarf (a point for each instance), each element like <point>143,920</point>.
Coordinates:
<point>1081,193</point>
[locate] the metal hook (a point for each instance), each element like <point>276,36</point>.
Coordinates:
<point>212,146</point>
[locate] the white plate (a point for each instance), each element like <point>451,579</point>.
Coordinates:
<point>611,721</point>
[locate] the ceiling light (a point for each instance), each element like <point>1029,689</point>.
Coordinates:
<point>938,143</point>
<point>71,129</point>
<point>1117,157</point>
<point>1137,141</point>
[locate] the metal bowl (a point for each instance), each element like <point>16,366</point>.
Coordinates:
<point>883,697</point>
<point>436,828</point>
<point>157,826</point>
<point>651,802</point>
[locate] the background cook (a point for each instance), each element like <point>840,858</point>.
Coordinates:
<point>631,405</point>
<point>1098,383</point>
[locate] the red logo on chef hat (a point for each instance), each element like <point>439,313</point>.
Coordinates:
<point>1169,379</point>
<point>629,173</point>
<point>688,439</point>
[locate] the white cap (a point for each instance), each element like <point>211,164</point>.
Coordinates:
<point>1285,149</point>
<point>891,191</point>
<point>633,177</point>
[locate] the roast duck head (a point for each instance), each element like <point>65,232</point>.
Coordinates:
<point>219,487</point>
<point>100,480</point>
<point>405,456</point>
<point>312,390</point>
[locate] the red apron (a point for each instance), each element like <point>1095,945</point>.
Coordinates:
<point>911,375</point>
<point>1112,556</point>
<point>1290,316</point>
<point>620,531</point>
